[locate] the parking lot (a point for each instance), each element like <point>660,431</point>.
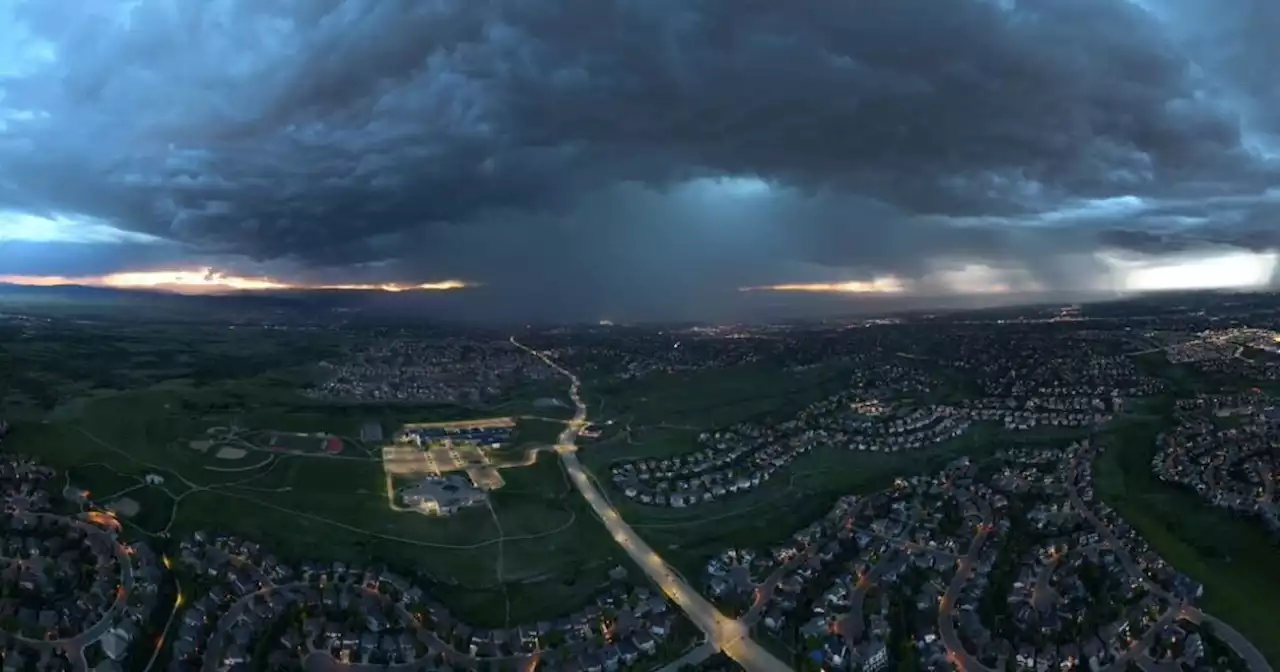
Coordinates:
<point>435,451</point>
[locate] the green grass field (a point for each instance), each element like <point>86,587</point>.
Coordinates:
<point>539,540</point>
<point>532,432</point>
<point>1232,557</point>
<point>78,358</point>
<point>656,442</point>
<point>712,398</point>
<point>523,400</point>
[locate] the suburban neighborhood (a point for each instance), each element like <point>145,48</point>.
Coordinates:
<point>459,370</point>
<point>1224,448</point>
<point>878,412</point>
<point>955,499</point>
<point>639,336</point>
<point>1006,564</point>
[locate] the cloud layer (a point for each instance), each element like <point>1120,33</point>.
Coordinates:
<point>638,158</point>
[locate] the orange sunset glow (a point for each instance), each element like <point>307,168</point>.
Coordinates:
<point>877,286</point>
<point>208,280</point>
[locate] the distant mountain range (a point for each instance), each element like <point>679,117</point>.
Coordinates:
<point>477,306</point>
<point>221,301</point>
<point>469,307</point>
<point>88,292</point>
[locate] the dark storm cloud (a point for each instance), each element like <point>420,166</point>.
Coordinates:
<point>1248,223</point>
<point>553,145</point>
<point>937,106</point>
<point>1236,42</point>
<point>1142,241</point>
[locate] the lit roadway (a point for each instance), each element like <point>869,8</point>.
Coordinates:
<point>725,633</point>
<point>946,620</point>
<point>177,604</point>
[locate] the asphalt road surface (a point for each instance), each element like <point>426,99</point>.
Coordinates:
<point>74,647</point>
<point>722,632</point>
<point>946,621</point>
<point>1238,642</point>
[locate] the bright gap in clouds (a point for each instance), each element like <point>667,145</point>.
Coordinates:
<point>885,285</point>
<point>966,279</point>
<point>982,279</point>
<point>209,281</point>
<point>728,189</point>
<point>193,280</point>
<point>1235,270</point>
<point>23,227</point>
<point>742,187</point>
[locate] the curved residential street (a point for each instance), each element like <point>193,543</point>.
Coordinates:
<point>1238,642</point>
<point>1139,647</point>
<point>724,633</point>
<point>764,591</point>
<point>966,662</point>
<point>732,636</point>
<point>850,625</point>
<point>92,635</point>
<point>322,661</point>
<point>946,622</point>
<point>74,647</point>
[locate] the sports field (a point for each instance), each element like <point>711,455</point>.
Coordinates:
<point>298,442</point>
<point>286,488</point>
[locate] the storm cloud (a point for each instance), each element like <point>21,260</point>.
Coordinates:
<point>641,158</point>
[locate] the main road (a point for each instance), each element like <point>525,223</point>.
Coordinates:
<point>722,632</point>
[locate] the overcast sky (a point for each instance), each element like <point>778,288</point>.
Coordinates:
<point>645,158</point>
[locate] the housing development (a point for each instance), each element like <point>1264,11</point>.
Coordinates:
<point>639,335</point>
<point>986,491</point>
